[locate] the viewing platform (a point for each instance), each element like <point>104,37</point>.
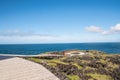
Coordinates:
<point>14,68</point>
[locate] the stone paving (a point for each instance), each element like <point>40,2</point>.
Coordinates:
<point>20,69</point>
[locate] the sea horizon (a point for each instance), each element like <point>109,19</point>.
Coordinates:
<point>54,43</point>
<point>34,49</point>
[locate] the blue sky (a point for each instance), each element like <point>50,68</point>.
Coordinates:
<point>59,21</point>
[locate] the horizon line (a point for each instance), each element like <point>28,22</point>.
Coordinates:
<point>55,43</point>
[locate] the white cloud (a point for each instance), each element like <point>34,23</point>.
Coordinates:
<point>94,29</point>
<point>38,39</point>
<point>112,30</point>
<point>106,32</point>
<point>116,28</point>
<point>17,36</point>
<point>19,33</point>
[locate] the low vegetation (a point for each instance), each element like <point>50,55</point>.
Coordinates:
<point>95,65</point>
<point>73,77</point>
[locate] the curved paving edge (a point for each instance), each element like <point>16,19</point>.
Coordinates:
<point>13,55</point>
<point>20,69</point>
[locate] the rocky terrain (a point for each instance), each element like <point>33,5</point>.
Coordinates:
<point>95,65</point>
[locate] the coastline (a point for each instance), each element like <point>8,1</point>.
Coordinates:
<point>93,66</point>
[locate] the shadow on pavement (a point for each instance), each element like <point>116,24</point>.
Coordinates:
<point>5,57</point>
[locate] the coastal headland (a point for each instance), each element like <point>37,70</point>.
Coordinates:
<point>81,64</point>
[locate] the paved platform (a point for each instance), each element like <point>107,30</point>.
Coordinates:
<point>19,69</point>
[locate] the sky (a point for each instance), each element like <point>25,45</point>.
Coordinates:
<point>59,21</point>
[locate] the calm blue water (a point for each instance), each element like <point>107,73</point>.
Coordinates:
<point>32,49</point>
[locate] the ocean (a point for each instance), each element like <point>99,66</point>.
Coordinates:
<point>33,49</point>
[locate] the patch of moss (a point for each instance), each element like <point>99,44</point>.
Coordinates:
<point>110,64</point>
<point>85,61</point>
<point>35,59</point>
<point>99,77</point>
<point>63,58</point>
<point>89,68</point>
<point>52,64</point>
<point>73,77</point>
<point>56,61</point>
<point>103,61</point>
<point>78,66</point>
